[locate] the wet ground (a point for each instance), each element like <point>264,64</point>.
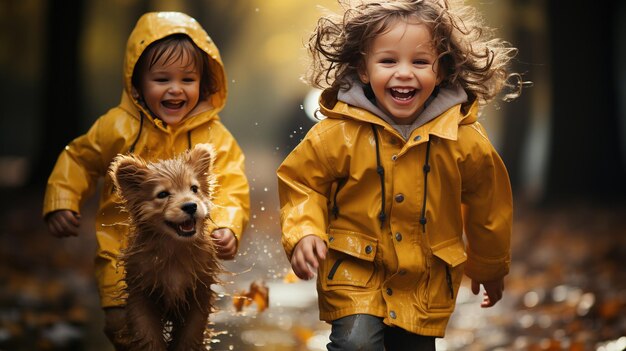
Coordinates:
<point>566,290</point>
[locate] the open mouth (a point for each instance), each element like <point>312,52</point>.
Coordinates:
<point>402,94</point>
<point>173,104</point>
<point>184,229</point>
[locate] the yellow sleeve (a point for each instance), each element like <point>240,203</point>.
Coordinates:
<point>488,215</point>
<point>304,183</point>
<point>76,172</point>
<point>232,195</point>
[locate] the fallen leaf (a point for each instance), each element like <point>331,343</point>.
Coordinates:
<point>258,293</point>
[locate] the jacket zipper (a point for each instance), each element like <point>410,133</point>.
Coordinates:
<point>333,269</point>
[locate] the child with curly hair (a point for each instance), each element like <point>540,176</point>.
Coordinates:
<point>398,170</point>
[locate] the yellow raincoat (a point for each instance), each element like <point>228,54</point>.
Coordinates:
<point>123,129</point>
<point>409,268</point>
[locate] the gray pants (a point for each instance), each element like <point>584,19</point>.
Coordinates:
<point>363,332</point>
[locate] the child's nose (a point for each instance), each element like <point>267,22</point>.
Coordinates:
<point>175,89</point>
<point>403,71</point>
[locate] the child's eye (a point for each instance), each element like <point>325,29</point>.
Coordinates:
<point>163,194</point>
<point>160,80</point>
<point>189,80</point>
<point>194,188</point>
<point>421,62</point>
<point>387,61</point>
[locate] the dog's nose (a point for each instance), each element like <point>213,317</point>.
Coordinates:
<point>189,207</point>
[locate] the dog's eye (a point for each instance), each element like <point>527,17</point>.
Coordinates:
<point>163,195</point>
<point>194,188</point>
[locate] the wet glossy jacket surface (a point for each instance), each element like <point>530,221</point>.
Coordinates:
<point>406,272</point>
<point>86,159</point>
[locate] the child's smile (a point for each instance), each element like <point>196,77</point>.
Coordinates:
<point>402,93</point>
<point>173,104</point>
<point>401,67</point>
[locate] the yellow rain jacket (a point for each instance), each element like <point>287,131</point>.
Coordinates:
<point>408,266</point>
<point>129,127</point>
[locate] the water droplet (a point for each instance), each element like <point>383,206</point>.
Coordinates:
<point>257,9</point>
<point>302,107</point>
<point>262,208</point>
<point>265,189</point>
<point>233,81</point>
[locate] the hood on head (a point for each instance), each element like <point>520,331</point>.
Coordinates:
<point>154,26</point>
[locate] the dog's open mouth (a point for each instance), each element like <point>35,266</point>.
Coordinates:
<point>186,228</point>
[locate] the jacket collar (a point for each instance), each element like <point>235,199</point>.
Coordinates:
<point>190,122</point>
<point>444,126</point>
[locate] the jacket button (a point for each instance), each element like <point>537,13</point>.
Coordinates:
<point>399,197</point>
<point>402,272</point>
<point>368,249</point>
<point>398,236</point>
<point>417,138</point>
<point>392,314</point>
<point>331,239</point>
<point>394,157</point>
<point>389,291</point>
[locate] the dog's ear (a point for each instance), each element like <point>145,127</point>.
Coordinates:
<point>201,159</point>
<point>128,174</point>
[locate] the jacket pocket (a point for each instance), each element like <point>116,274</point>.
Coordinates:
<point>445,274</point>
<point>350,260</point>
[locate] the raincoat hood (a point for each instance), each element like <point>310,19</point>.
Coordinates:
<point>154,26</point>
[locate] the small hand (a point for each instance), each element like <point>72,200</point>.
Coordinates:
<point>63,223</point>
<point>493,291</point>
<point>226,243</point>
<point>306,256</point>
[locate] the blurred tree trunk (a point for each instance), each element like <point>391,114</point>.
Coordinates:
<point>61,101</point>
<point>585,161</point>
<point>517,122</point>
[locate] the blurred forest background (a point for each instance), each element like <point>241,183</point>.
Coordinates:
<point>564,143</point>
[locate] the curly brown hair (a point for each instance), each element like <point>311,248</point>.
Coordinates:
<point>468,52</point>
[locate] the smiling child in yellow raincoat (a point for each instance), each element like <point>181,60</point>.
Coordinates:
<point>174,87</point>
<point>377,196</point>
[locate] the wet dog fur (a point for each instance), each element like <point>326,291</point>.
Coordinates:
<point>170,261</point>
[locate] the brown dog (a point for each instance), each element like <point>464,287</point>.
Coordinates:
<point>170,260</point>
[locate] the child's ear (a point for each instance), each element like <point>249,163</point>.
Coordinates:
<point>441,74</point>
<point>362,72</point>
<point>439,78</point>
<point>134,93</point>
<point>364,78</point>
<point>201,159</point>
<point>128,174</point>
